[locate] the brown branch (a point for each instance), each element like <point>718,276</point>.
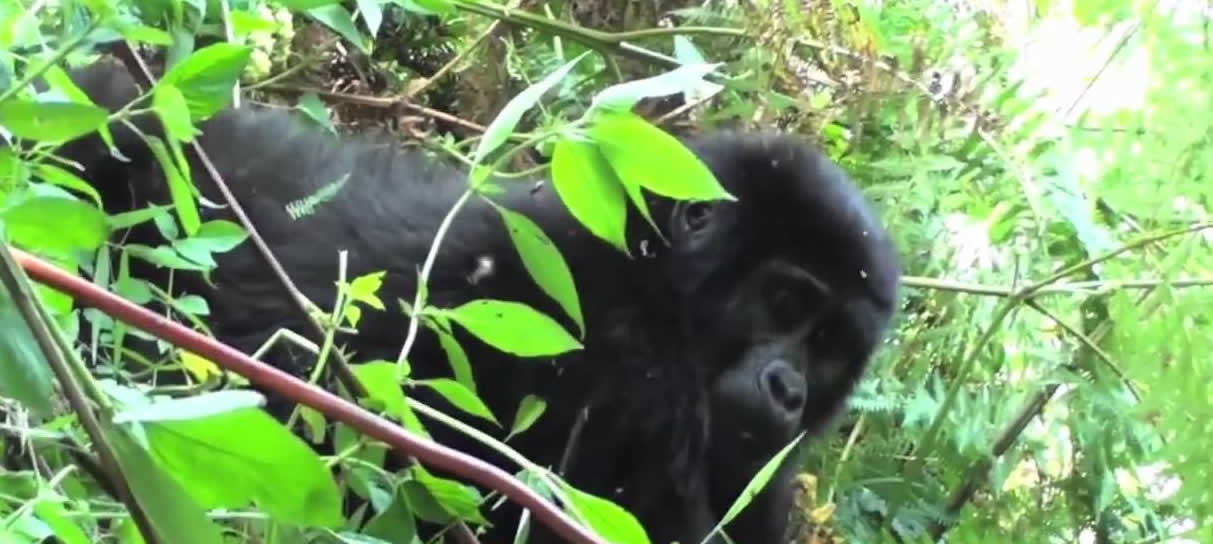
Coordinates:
<point>332,406</point>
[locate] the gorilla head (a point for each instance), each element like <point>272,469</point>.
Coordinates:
<point>743,324</point>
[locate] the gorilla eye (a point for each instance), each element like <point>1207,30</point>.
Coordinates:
<point>696,215</point>
<point>786,304</point>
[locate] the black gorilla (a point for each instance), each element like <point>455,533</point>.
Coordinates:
<point>703,356</point>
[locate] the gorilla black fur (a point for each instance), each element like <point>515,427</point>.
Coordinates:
<point>703,357</point>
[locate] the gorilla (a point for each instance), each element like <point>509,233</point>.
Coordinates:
<point>714,344</point>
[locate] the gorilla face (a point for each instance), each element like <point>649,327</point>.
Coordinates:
<point>787,291</point>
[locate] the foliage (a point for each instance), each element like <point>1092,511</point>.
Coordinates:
<point>1046,379</point>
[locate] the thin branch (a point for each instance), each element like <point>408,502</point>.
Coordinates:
<point>1084,265</point>
<point>1089,343</point>
<point>1090,288</point>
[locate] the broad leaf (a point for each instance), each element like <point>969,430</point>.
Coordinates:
<point>50,121</point>
<point>174,514</point>
<point>243,456</point>
<point>645,156</point>
<point>56,223</point>
<point>207,76</point>
<point>591,191</point>
<point>513,327</point>
<point>544,263</point>
<point>609,520</point>
<point>529,410</point>
<point>460,396</point>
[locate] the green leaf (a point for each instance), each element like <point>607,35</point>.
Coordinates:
<point>529,410</point>
<point>57,518</point>
<point>195,407</point>
<point>314,109</point>
<point>544,262</point>
<point>460,500</point>
<point>364,287</point>
<point>340,21</point>
<point>299,6</point>
<point>63,178</point>
<point>611,522</point>
<point>431,7</point>
<point>124,220</point>
<point>207,76</point>
<point>24,374</point>
<point>146,34</point>
<point>513,327</point>
<point>460,396</point>
<point>50,121</point>
<point>591,191</point>
<point>645,156</point>
<point>174,514</point>
<point>395,524</point>
<point>503,125</point>
<point>258,460</point>
<point>178,186</point>
<point>756,484</point>
<point>55,223</point>
<point>625,95</point>
<point>169,104</point>
<point>461,367</point>
<point>219,235</point>
<point>379,380</point>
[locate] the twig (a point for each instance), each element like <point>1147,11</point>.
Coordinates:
<point>1101,287</point>
<point>1089,343</point>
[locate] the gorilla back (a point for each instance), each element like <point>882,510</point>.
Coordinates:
<point>703,356</point>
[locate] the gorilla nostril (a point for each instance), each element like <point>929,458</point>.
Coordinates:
<point>783,386</point>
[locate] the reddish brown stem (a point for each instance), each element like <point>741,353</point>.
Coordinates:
<point>302,392</point>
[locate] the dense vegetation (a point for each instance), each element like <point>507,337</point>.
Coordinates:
<point>1044,166</point>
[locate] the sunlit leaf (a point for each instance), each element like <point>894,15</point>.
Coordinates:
<point>55,223</point>
<point>260,461</point>
<point>513,327</point>
<point>611,521</point>
<point>644,155</point>
<point>50,121</point>
<point>174,513</point>
<point>529,410</point>
<point>591,191</point>
<point>544,262</point>
<point>206,77</point>
<point>460,396</point>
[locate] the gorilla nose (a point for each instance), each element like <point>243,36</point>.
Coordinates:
<point>783,387</point>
